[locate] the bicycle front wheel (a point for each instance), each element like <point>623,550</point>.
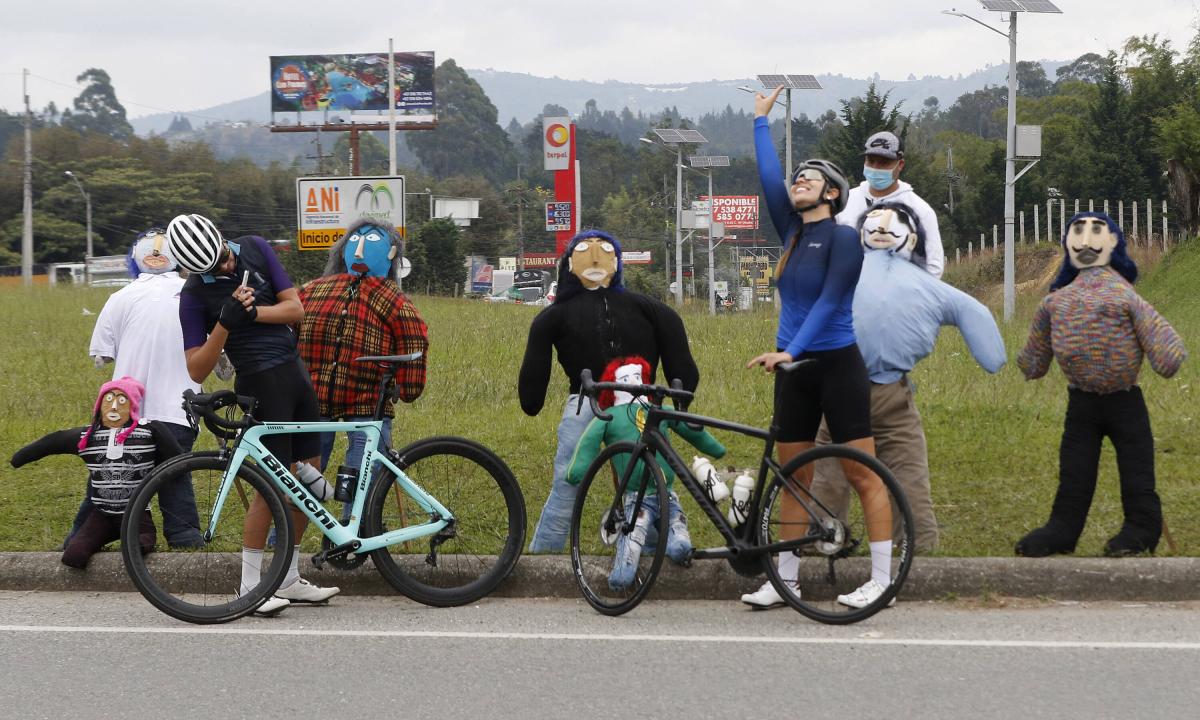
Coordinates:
<point>199,583</point>
<point>616,559</point>
<point>834,560</point>
<point>467,560</point>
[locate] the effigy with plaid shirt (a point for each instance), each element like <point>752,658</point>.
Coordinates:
<point>347,316</point>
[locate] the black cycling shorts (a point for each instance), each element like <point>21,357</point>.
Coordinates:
<point>838,387</point>
<point>285,394</point>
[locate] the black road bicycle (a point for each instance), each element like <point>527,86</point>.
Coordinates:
<point>784,514</point>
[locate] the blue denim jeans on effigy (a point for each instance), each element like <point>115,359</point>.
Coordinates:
<point>641,540</point>
<point>177,502</point>
<point>357,444</point>
<point>554,525</point>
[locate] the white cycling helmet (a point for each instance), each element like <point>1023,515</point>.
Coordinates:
<point>195,242</point>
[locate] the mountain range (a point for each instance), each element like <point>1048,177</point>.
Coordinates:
<point>523,96</point>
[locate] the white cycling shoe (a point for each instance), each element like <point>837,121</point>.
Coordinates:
<point>302,591</point>
<point>864,596</point>
<point>765,598</point>
<point>271,607</point>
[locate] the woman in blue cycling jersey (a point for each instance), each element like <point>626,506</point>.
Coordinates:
<point>816,277</point>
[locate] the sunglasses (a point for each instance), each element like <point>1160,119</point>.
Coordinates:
<point>809,174</point>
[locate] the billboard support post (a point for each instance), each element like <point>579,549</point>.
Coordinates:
<point>391,109</point>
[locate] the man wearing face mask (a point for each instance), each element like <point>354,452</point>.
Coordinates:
<point>883,160</point>
<point>592,321</point>
<point>356,309</point>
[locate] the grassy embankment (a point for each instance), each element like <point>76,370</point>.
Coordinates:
<point>993,439</point>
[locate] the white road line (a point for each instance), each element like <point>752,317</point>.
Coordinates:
<point>605,637</point>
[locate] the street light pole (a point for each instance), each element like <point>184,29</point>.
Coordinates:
<point>678,223</point>
<point>87,200</point>
<point>1010,201</point>
<point>1010,176</point>
<point>27,202</point>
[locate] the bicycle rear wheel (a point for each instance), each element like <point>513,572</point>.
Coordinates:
<point>602,528</point>
<point>200,584</point>
<point>836,559</point>
<point>478,551</point>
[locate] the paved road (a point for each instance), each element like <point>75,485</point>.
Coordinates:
<point>102,655</point>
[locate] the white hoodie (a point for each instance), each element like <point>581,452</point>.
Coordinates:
<point>861,200</point>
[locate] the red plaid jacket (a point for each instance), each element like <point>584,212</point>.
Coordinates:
<point>346,317</point>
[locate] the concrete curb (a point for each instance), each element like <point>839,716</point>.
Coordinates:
<point>539,576</point>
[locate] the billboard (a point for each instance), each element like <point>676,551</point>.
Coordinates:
<point>351,82</point>
<point>737,212</point>
<point>327,206</point>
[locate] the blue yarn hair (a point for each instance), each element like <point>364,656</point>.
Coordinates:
<point>568,284</point>
<point>1120,260</point>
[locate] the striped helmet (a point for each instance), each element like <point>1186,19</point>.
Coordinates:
<point>195,242</point>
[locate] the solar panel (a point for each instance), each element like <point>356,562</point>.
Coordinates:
<point>692,136</point>
<point>803,82</point>
<point>1040,6</point>
<point>1001,5</point>
<point>668,135</point>
<point>771,82</point>
<point>699,161</point>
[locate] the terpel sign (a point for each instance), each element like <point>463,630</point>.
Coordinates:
<point>556,142</point>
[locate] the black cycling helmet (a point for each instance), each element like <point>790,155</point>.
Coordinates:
<point>833,177</point>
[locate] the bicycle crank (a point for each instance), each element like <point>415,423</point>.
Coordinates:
<point>342,557</point>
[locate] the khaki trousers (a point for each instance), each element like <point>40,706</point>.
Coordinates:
<point>900,445</point>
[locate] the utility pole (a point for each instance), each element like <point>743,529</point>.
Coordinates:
<point>27,228</point>
<point>520,221</point>
<point>320,156</point>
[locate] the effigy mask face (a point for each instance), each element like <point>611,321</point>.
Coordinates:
<point>885,229</point>
<point>594,262</point>
<point>151,253</point>
<point>631,375</point>
<point>1090,243</point>
<point>369,251</point>
<point>114,409</point>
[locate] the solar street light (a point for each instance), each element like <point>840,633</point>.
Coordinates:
<point>1012,7</point>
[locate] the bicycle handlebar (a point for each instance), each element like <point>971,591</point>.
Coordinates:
<point>590,388</point>
<point>206,404</point>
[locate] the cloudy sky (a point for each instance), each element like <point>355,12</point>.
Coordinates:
<point>170,55</point>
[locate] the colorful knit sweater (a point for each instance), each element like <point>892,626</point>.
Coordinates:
<point>1098,328</point>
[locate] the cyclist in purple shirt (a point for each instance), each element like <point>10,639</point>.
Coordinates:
<point>816,277</point>
<point>239,299</point>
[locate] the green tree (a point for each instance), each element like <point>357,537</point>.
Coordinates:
<point>1112,136</point>
<point>468,139</point>
<point>97,109</point>
<point>437,247</point>
<point>1085,68</point>
<point>861,118</point>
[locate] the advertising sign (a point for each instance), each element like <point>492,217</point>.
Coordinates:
<point>556,134</point>
<point>479,274</point>
<point>737,212</point>
<point>558,216</point>
<point>541,260</point>
<point>327,206</point>
<point>636,257</point>
<point>351,82</point>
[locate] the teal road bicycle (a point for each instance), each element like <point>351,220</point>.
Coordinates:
<point>443,519</point>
